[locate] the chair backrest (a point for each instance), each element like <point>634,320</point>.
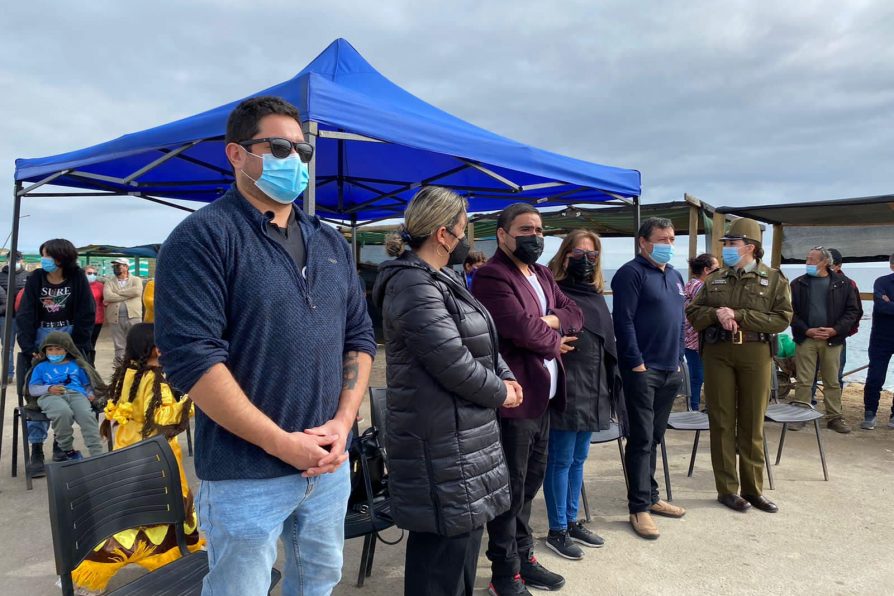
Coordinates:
<point>377,407</point>
<point>94,498</point>
<point>685,389</point>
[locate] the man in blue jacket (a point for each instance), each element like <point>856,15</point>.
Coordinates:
<point>648,318</point>
<point>261,317</point>
<point>881,347</point>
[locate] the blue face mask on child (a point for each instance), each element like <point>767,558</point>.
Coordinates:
<point>55,358</point>
<point>662,253</point>
<point>48,264</point>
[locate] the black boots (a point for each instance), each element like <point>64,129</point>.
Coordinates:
<point>36,468</point>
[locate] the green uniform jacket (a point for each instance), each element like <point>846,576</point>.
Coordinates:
<point>761,298</point>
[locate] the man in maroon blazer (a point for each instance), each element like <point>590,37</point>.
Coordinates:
<point>536,323</point>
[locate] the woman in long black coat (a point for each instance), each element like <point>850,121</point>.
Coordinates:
<point>593,396</point>
<point>446,380</point>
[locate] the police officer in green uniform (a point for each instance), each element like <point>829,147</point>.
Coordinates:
<point>738,312</point>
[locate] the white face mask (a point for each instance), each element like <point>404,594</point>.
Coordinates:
<point>18,266</point>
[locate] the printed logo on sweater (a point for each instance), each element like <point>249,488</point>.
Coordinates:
<point>54,299</point>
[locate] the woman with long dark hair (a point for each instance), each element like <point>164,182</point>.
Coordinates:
<point>57,297</point>
<point>446,380</point>
<point>593,397</point>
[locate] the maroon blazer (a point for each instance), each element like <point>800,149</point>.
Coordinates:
<point>525,340</point>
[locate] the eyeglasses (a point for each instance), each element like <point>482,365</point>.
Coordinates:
<point>591,255</point>
<point>449,231</point>
<point>282,148</point>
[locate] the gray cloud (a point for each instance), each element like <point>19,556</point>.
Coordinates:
<point>734,102</point>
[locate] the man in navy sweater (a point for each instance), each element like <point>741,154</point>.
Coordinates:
<point>881,347</point>
<point>648,318</point>
<point>261,317</point>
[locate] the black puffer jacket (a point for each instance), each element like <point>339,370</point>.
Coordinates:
<point>844,309</point>
<point>447,472</point>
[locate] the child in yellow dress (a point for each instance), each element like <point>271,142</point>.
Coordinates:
<point>142,405</point>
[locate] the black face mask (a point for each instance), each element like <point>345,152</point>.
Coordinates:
<point>581,270</point>
<point>528,248</point>
<point>459,253</point>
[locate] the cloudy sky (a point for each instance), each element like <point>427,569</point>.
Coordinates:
<point>733,102</point>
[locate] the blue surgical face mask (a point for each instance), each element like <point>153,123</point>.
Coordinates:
<point>731,256</point>
<point>812,270</point>
<point>55,357</point>
<point>662,253</point>
<point>281,179</point>
<point>48,264</point>
<point>91,277</point>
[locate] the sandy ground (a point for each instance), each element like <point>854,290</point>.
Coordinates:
<point>828,538</point>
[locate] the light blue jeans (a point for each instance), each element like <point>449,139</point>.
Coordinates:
<point>564,476</point>
<point>242,520</point>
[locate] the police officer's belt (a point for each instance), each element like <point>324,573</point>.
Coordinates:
<point>714,335</point>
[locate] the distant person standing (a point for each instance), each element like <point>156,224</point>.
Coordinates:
<point>825,310</point>
<point>881,347</point>
<point>15,261</point>
<point>474,261</point>
<point>96,287</point>
<point>701,267</point>
<point>123,297</point>
<point>648,319</point>
<point>837,260</point>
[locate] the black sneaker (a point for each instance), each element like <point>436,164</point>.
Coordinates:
<point>507,586</point>
<point>537,576</point>
<point>73,455</point>
<point>58,454</point>
<point>578,532</point>
<point>561,543</point>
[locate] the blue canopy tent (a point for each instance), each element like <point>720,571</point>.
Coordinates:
<point>375,144</point>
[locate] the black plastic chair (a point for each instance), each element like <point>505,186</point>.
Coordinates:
<point>786,414</point>
<point>612,433</point>
<point>685,421</point>
<point>94,498</point>
<point>362,521</point>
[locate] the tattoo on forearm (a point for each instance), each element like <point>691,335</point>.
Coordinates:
<point>350,370</point>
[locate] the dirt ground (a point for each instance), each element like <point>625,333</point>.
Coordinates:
<point>828,538</point>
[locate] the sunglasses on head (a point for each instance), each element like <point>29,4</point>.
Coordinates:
<point>591,255</point>
<point>282,148</point>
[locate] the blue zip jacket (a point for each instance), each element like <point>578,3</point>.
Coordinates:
<point>647,310</point>
<point>227,292</point>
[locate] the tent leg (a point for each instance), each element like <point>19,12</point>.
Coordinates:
<point>636,224</point>
<point>310,195</point>
<point>10,303</point>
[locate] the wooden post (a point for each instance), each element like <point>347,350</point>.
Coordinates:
<point>470,234</point>
<point>776,252</point>
<point>717,234</point>
<point>694,213</point>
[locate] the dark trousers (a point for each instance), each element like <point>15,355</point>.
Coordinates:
<point>91,355</point>
<point>879,358</point>
<point>525,447</point>
<point>650,397</point>
<point>440,566</point>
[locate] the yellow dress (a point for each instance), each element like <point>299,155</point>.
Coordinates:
<point>149,302</point>
<point>149,546</point>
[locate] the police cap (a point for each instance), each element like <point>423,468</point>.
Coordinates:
<point>744,229</point>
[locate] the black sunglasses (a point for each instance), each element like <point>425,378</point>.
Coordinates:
<point>282,148</point>
<point>591,255</point>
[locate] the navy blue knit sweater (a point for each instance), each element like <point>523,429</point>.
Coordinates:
<point>227,292</point>
<point>647,310</point>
